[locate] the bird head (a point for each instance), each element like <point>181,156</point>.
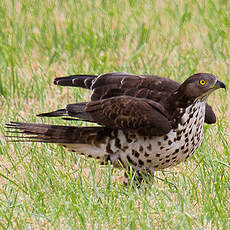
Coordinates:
<point>200,85</point>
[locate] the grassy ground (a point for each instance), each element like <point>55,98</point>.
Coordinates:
<point>45,187</point>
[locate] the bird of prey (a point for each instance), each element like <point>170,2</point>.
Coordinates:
<point>147,123</point>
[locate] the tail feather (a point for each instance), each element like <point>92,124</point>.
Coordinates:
<point>30,132</point>
<point>83,81</point>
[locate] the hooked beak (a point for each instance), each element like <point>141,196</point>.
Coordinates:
<point>219,84</point>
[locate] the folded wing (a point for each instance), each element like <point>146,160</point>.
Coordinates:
<point>124,112</point>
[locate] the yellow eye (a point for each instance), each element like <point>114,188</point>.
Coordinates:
<point>202,82</point>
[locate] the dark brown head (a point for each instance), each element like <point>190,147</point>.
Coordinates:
<point>200,85</point>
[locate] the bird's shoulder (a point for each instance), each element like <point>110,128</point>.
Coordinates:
<point>152,87</point>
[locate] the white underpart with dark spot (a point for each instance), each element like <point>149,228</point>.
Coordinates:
<point>152,153</point>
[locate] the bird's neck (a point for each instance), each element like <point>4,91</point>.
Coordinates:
<point>178,100</point>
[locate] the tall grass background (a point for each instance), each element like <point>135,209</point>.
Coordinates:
<point>42,186</point>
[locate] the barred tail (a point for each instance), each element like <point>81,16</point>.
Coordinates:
<point>88,141</point>
<point>31,132</point>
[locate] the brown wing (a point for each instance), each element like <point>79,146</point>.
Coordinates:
<point>124,112</point>
<point>117,84</point>
<point>83,81</point>
<point>210,117</point>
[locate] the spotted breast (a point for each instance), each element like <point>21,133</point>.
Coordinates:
<point>153,153</point>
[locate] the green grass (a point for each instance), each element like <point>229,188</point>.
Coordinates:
<point>42,186</point>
